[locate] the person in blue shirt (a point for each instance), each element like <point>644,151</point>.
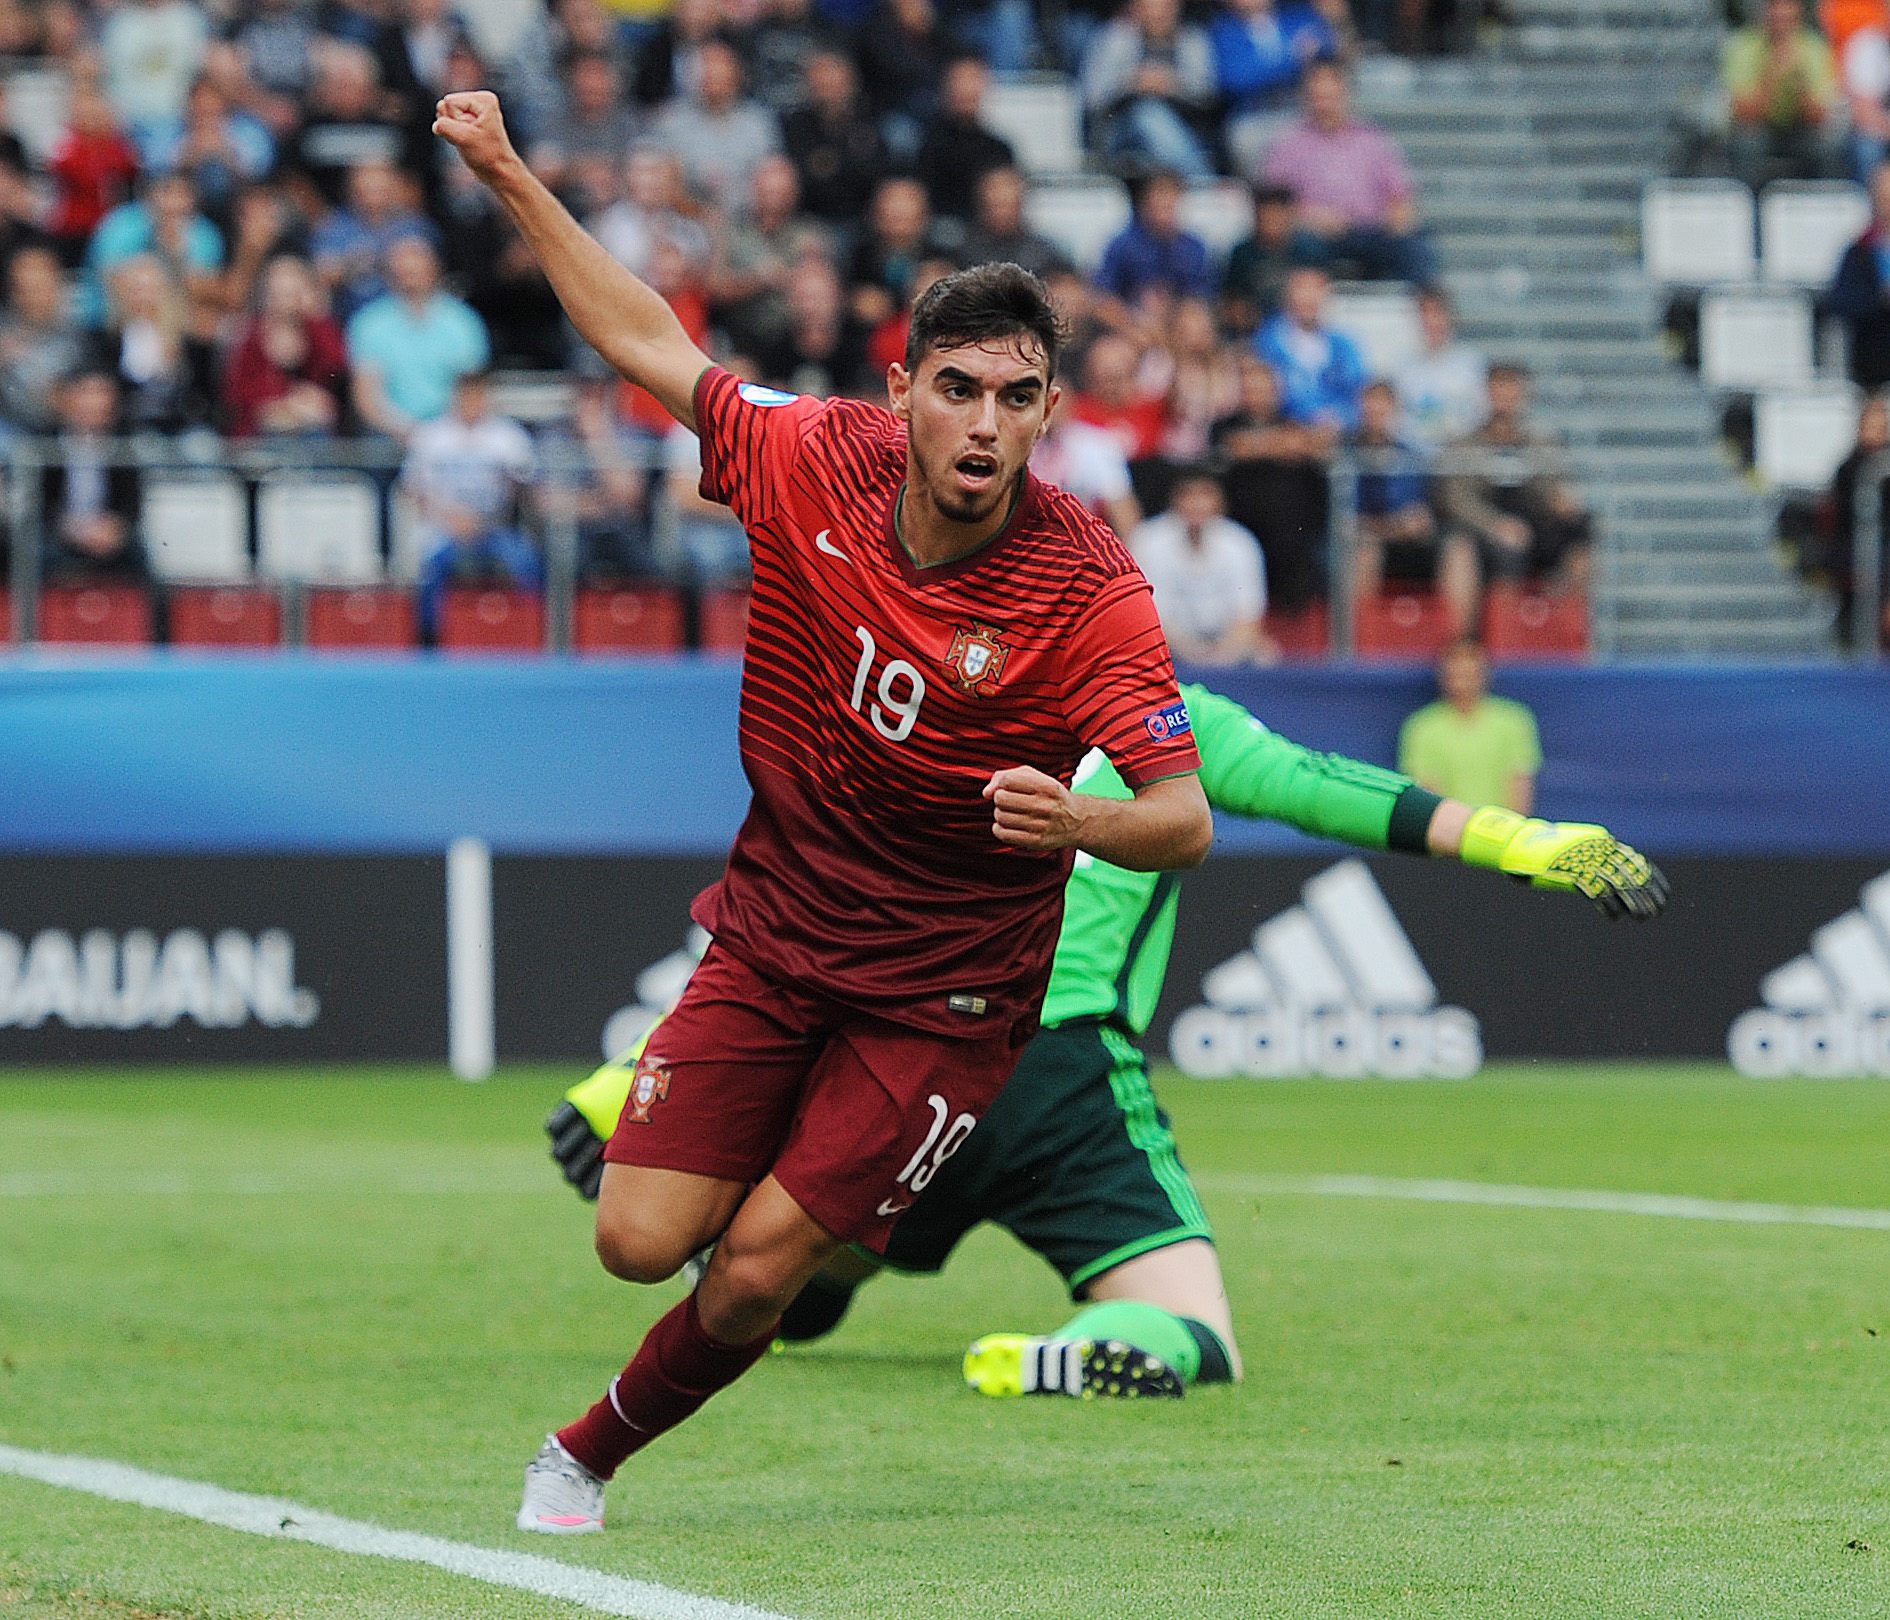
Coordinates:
<point>409,347</point>
<point>163,222</point>
<point>1153,252</point>
<point>1261,48</point>
<point>1321,371</point>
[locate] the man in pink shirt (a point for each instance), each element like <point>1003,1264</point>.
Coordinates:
<point>1354,190</point>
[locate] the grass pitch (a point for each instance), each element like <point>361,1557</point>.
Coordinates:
<point>369,1292</point>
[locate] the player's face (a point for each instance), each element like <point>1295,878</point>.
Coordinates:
<point>974,414</point>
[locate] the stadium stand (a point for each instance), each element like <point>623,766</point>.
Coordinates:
<point>224,616</point>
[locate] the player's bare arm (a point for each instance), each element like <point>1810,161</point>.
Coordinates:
<point>625,321</point>
<point>1166,827</point>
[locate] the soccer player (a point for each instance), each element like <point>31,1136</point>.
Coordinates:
<point>1076,1159</point>
<point>936,641</point>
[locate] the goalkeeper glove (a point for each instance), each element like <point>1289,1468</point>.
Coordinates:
<point>1576,855</point>
<point>581,1124</point>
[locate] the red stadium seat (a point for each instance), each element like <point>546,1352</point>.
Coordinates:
<point>1302,633</point>
<point>225,617</point>
<point>95,615</point>
<point>1402,624</point>
<point>724,619</point>
<point>1521,623</point>
<point>478,620</point>
<point>367,620</point>
<point>628,619</point>
<point>6,617</point>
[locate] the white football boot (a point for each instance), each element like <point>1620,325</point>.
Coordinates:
<point>562,1496</point>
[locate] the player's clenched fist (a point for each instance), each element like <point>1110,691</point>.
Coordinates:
<point>470,121</point>
<point>1032,811</point>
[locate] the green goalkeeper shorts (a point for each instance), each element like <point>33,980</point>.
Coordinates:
<point>1075,1159</point>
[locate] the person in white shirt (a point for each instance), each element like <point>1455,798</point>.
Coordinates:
<point>1088,462</point>
<point>1444,388</point>
<point>1208,575</point>
<point>1866,74</point>
<point>464,472</point>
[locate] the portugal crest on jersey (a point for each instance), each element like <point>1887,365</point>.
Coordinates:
<point>976,659</point>
<point>648,1087</point>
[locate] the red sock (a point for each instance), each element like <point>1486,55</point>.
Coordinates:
<point>677,1368</point>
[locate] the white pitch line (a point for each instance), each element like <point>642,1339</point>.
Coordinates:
<point>290,1521</point>
<point>1666,1205</point>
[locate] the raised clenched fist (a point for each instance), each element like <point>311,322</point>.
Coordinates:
<point>470,121</point>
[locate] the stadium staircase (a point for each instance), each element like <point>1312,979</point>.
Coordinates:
<point>1531,162</point>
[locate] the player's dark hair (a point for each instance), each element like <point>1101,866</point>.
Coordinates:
<point>988,302</point>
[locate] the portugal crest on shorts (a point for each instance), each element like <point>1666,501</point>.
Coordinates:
<point>976,659</point>
<point>648,1087</point>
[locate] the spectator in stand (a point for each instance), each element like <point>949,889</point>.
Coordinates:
<point>264,225</point>
<point>1204,380</point>
<point>1261,49</point>
<point>1208,576</point>
<point>221,148</point>
<point>277,41</point>
<point>823,350</point>
<point>1116,397</point>
<point>1276,484</point>
<point>886,345</point>
<point>465,472</point>
<point>903,52</point>
<point>1445,387</point>
<point>1397,533</point>
<point>1257,268</point>
<point>288,374</point>
<point>778,47</point>
<point>756,258</point>
<point>150,51</point>
<point>899,238</point>
<point>19,214</point>
<point>501,278</point>
<point>651,210</point>
<point>166,363</point>
<point>1087,462</point>
<point>350,245</point>
<point>1839,565</point>
<point>347,123</point>
<point>1353,187</point>
<point>596,478</point>
<point>1469,745</point>
<point>711,544</point>
<point>1506,489</point>
<point>1152,253</point>
<point>834,141</point>
<point>1320,369</point>
<point>959,150</point>
<point>1782,86</point>
<point>90,503</point>
<point>40,342</point>
<point>1148,87</point>
<point>718,132</point>
<point>998,233</point>
<point>369,24</point>
<point>430,32</point>
<point>164,222</point>
<point>593,125</point>
<point>666,61</point>
<point>1865,71</point>
<point>1860,293</point>
<point>409,347</point>
<point>93,167</point>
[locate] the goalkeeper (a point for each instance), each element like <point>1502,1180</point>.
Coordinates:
<point>1076,1158</point>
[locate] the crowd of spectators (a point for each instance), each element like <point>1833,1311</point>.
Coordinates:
<point>244,228</point>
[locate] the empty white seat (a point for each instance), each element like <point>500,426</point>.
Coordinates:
<point>1800,436</point>
<point>1080,214</point>
<point>1038,114</point>
<point>36,108</point>
<point>1697,232</point>
<point>1805,226</point>
<point>1382,321</point>
<point>196,528</point>
<point>533,397</point>
<point>322,530</point>
<point>1220,212</point>
<point>1754,338</point>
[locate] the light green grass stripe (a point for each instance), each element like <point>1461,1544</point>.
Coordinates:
<point>290,1521</point>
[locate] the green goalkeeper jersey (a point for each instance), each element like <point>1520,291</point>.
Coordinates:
<point>1119,926</point>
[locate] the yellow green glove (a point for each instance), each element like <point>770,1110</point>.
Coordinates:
<point>581,1124</point>
<point>1575,855</point>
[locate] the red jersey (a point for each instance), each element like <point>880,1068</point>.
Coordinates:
<point>878,697</point>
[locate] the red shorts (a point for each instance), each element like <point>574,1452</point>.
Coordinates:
<point>853,1115</point>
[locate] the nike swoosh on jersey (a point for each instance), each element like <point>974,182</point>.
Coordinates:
<point>822,543</point>
<point>888,1207</point>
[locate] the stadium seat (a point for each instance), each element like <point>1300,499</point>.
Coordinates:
<point>1521,623</point>
<point>479,619</point>
<point>196,528</point>
<point>1039,115</point>
<point>1220,212</point>
<point>322,530</point>
<point>95,615</point>
<point>1402,624</point>
<point>360,621</point>
<point>628,619</point>
<point>1382,321</point>
<point>1079,214</point>
<point>225,616</point>
<point>1697,232</point>
<point>1754,338</point>
<point>6,619</point>
<point>1800,436</point>
<point>36,108</point>
<point>1302,633</point>
<point>533,397</point>
<point>1805,226</point>
<point>724,619</point>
